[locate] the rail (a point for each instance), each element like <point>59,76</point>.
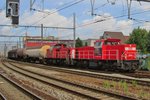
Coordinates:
<point>87,73</point>
<point>77,85</point>
<point>29,93</point>
<point>62,87</point>
<point>2,97</point>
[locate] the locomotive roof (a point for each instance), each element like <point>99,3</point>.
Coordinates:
<point>113,40</point>
<point>110,40</point>
<point>59,44</point>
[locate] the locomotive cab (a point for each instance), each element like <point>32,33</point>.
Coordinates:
<point>102,47</point>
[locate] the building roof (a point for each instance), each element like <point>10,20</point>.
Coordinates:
<point>126,37</point>
<point>118,35</point>
<point>91,39</point>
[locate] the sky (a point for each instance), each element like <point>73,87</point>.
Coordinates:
<point>113,16</point>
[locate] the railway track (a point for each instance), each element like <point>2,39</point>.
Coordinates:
<point>77,89</point>
<point>92,74</point>
<point>140,74</point>
<point>24,90</point>
<point>2,97</point>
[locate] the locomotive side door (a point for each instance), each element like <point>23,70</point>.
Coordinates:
<point>98,48</point>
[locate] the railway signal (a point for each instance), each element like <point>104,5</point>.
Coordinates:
<point>12,10</point>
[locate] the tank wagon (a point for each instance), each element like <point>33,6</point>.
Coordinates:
<point>20,53</point>
<point>12,54</point>
<point>107,53</point>
<point>36,54</point>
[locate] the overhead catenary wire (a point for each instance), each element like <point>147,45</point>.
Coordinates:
<point>116,28</point>
<point>139,20</point>
<point>47,12</point>
<point>62,8</point>
<point>57,11</point>
<point>92,11</point>
<point>101,30</point>
<point>96,22</point>
<point>127,15</point>
<point>128,5</point>
<point>34,26</point>
<point>108,18</point>
<point>143,0</point>
<point>69,35</point>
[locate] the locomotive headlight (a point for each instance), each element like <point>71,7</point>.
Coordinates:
<point>130,48</point>
<point>126,48</point>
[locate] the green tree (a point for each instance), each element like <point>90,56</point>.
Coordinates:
<point>86,44</point>
<point>79,42</point>
<point>148,42</point>
<point>139,37</point>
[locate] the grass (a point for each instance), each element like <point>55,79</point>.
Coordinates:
<point>134,83</point>
<point>125,86</point>
<point>122,87</point>
<point>106,84</point>
<point>147,63</point>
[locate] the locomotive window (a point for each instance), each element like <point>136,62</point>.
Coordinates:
<point>98,48</point>
<point>111,43</point>
<point>98,44</point>
<point>108,43</point>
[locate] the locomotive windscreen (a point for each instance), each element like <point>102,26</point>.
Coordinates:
<point>98,48</point>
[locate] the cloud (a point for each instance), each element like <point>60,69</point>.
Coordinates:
<point>6,31</point>
<point>56,19</point>
<point>146,26</point>
<point>89,29</point>
<point>34,18</point>
<point>4,21</point>
<point>124,26</point>
<point>43,18</point>
<point>3,18</point>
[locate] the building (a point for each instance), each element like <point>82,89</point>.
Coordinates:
<point>127,37</point>
<point>118,35</point>
<point>89,42</point>
<point>36,41</point>
<point>69,43</point>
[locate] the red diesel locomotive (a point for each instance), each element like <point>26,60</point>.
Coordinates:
<point>107,53</point>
